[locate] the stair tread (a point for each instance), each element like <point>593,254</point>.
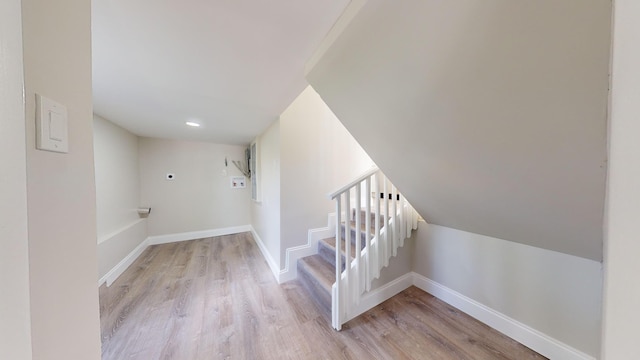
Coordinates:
<point>321,270</point>
<point>331,244</point>
<point>363,226</point>
<point>363,214</point>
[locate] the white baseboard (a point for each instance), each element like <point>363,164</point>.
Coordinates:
<point>539,342</point>
<point>376,297</point>
<point>193,235</point>
<point>290,270</point>
<point>273,265</point>
<point>512,328</point>
<point>117,270</point>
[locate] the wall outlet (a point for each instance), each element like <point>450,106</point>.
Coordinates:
<point>238,182</point>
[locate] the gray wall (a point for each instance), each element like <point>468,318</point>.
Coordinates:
<point>551,292</point>
<point>490,116</point>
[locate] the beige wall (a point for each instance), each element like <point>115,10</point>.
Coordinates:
<point>622,245</point>
<point>120,229</point>
<point>200,197</point>
<point>117,176</point>
<point>15,329</point>
<point>317,156</point>
<point>489,116</point>
<point>61,187</point>
<point>265,214</point>
<point>554,293</point>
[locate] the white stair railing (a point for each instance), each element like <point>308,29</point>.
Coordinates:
<point>371,197</point>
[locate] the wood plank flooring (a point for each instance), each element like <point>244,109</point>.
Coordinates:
<point>216,298</point>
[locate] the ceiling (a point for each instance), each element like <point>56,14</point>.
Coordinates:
<point>231,65</point>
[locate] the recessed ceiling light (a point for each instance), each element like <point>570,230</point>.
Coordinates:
<point>191,123</point>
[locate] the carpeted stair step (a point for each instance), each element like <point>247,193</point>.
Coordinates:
<point>327,249</point>
<point>363,234</point>
<point>317,272</point>
<point>363,216</point>
<point>318,276</point>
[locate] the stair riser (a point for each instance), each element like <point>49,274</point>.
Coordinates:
<point>363,236</point>
<point>363,217</point>
<point>329,254</point>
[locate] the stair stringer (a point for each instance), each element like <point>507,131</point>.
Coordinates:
<point>290,271</point>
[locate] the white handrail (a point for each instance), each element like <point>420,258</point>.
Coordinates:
<point>367,174</point>
<point>394,220</point>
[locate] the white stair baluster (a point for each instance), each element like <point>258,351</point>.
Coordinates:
<point>336,295</point>
<point>376,255</point>
<point>358,233</point>
<point>394,245</point>
<point>403,222</point>
<point>347,248</point>
<point>387,228</point>
<point>394,220</point>
<point>367,231</point>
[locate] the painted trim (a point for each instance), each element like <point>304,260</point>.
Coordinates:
<point>290,271</point>
<point>273,265</point>
<point>376,297</point>
<point>117,270</point>
<point>536,340</point>
<point>193,235</point>
<point>112,234</point>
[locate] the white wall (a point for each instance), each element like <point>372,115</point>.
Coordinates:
<point>622,288</point>
<point>317,156</point>
<point>554,293</point>
<point>265,215</point>
<point>15,329</point>
<point>61,187</point>
<point>200,197</point>
<point>489,116</point>
<point>120,229</point>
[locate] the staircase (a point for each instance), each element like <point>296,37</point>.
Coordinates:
<point>317,272</point>
<point>379,220</point>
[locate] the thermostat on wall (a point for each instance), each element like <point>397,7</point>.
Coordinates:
<point>238,182</point>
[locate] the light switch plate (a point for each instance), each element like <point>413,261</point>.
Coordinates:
<point>51,125</point>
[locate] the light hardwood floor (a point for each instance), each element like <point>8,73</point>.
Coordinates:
<point>216,298</point>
